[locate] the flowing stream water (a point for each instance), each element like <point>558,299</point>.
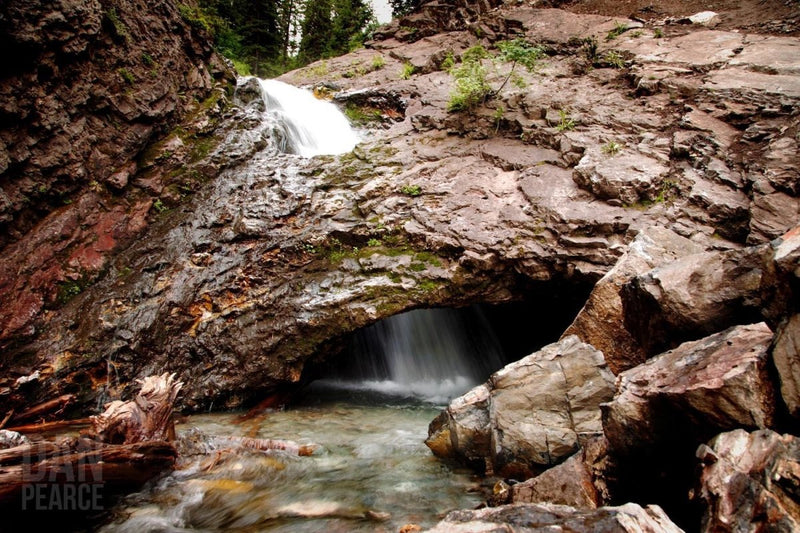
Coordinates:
<point>369,416</point>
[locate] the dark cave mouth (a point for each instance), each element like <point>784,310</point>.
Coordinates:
<point>433,355</point>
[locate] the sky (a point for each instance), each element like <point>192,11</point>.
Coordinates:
<point>382,10</point>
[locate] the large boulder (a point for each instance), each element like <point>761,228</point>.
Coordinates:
<point>578,482</point>
<point>666,407</point>
<point>750,482</point>
<point>786,354</point>
<point>530,517</point>
<point>530,415</point>
<point>601,322</point>
<point>694,296</point>
<point>700,388</point>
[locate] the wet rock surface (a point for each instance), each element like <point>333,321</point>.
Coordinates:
<point>749,482</point>
<point>530,415</point>
<point>549,517</point>
<point>246,280</point>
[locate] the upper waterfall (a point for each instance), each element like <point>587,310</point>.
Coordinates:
<point>310,126</point>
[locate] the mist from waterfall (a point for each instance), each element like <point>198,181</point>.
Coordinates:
<point>307,125</point>
<point>430,354</point>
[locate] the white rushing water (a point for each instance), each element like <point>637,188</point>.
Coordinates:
<point>431,354</point>
<point>310,126</point>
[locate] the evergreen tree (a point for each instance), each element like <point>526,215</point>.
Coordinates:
<point>350,22</point>
<point>317,31</point>
<point>403,7</point>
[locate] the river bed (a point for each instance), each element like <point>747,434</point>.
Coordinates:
<point>372,472</point>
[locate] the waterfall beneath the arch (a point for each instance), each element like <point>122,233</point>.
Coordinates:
<point>307,125</point>
<point>430,354</point>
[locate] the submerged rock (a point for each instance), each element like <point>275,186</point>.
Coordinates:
<point>750,482</point>
<point>534,517</point>
<point>531,414</point>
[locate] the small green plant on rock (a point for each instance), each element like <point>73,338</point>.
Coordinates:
<point>378,62</point>
<point>518,51</point>
<point>411,190</point>
<point>374,242</point>
<point>407,71</point>
<point>619,29</point>
<point>658,33</point>
<point>126,75</point>
<point>612,148</point>
<point>471,87</point>
<point>448,62</point>
<point>566,122</point>
<point>498,117</point>
<point>614,59</point>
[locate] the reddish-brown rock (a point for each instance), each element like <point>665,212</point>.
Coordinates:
<point>750,481</point>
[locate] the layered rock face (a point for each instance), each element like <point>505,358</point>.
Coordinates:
<point>85,86</point>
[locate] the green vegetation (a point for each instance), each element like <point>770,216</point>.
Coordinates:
<point>374,242</point>
<point>378,62</point>
<point>407,71</point>
<point>411,190</point>
<point>274,36</point>
<point>658,33</point>
<point>362,115</point>
<point>471,86</point>
<point>566,123</point>
<point>448,62</point>
<point>619,29</point>
<point>498,117</point>
<point>403,7</point>
<point>148,60</point>
<point>67,290</point>
<point>614,59</point>
<point>612,148</point>
<point>126,75</point>
<point>159,206</point>
<point>118,28</point>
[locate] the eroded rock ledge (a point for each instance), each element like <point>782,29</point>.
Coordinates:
<point>239,287</point>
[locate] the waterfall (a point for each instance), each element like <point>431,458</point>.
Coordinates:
<point>432,354</point>
<point>310,126</point>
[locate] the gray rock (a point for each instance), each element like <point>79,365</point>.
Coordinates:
<point>698,389</point>
<point>11,439</point>
<point>629,177</point>
<point>538,517</point>
<point>531,414</point>
<point>601,322</point>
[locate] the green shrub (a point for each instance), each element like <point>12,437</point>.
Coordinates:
<point>378,62</point>
<point>566,122</point>
<point>126,75</point>
<point>411,190</point>
<point>471,87</point>
<point>614,59</point>
<point>619,29</point>
<point>408,71</point>
<point>612,148</point>
<point>448,62</point>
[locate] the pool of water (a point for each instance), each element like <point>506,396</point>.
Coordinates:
<point>371,472</point>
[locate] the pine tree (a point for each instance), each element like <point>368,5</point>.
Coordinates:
<point>349,23</point>
<point>317,31</point>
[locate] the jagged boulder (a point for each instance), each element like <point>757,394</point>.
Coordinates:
<point>625,179</point>
<point>666,407</point>
<point>578,482</point>
<point>694,296</point>
<point>786,354</point>
<point>531,414</point>
<point>698,389</point>
<point>601,322</point>
<point>750,482</point>
<point>530,517</point>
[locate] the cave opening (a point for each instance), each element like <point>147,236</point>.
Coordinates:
<point>437,354</point>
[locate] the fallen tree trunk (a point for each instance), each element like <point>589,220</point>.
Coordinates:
<point>128,444</point>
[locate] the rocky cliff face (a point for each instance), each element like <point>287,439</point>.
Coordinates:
<point>269,265</point>
<point>85,86</point>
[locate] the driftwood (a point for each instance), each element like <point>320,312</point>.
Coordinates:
<point>126,446</point>
<point>51,407</point>
<point>266,444</point>
<point>52,427</point>
<point>147,418</point>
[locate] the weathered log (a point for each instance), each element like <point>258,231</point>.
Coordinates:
<point>148,417</point>
<point>268,444</point>
<point>51,407</point>
<point>52,427</point>
<point>109,468</point>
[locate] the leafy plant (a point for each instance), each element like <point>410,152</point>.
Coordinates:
<point>407,71</point>
<point>378,62</point>
<point>126,75</point>
<point>471,87</point>
<point>658,33</point>
<point>374,242</point>
<point>411,190</point>
<point>520,52</point>
<point>474,53</point>
<point>159,206</point>
<point>614,59</point>
<point>566,122</point>
<point>498,117</point>
<point>612,148</point>
<point>619,29</point>
<point>118,27</point>
<point>448,62</point>
<point>147,59</point>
